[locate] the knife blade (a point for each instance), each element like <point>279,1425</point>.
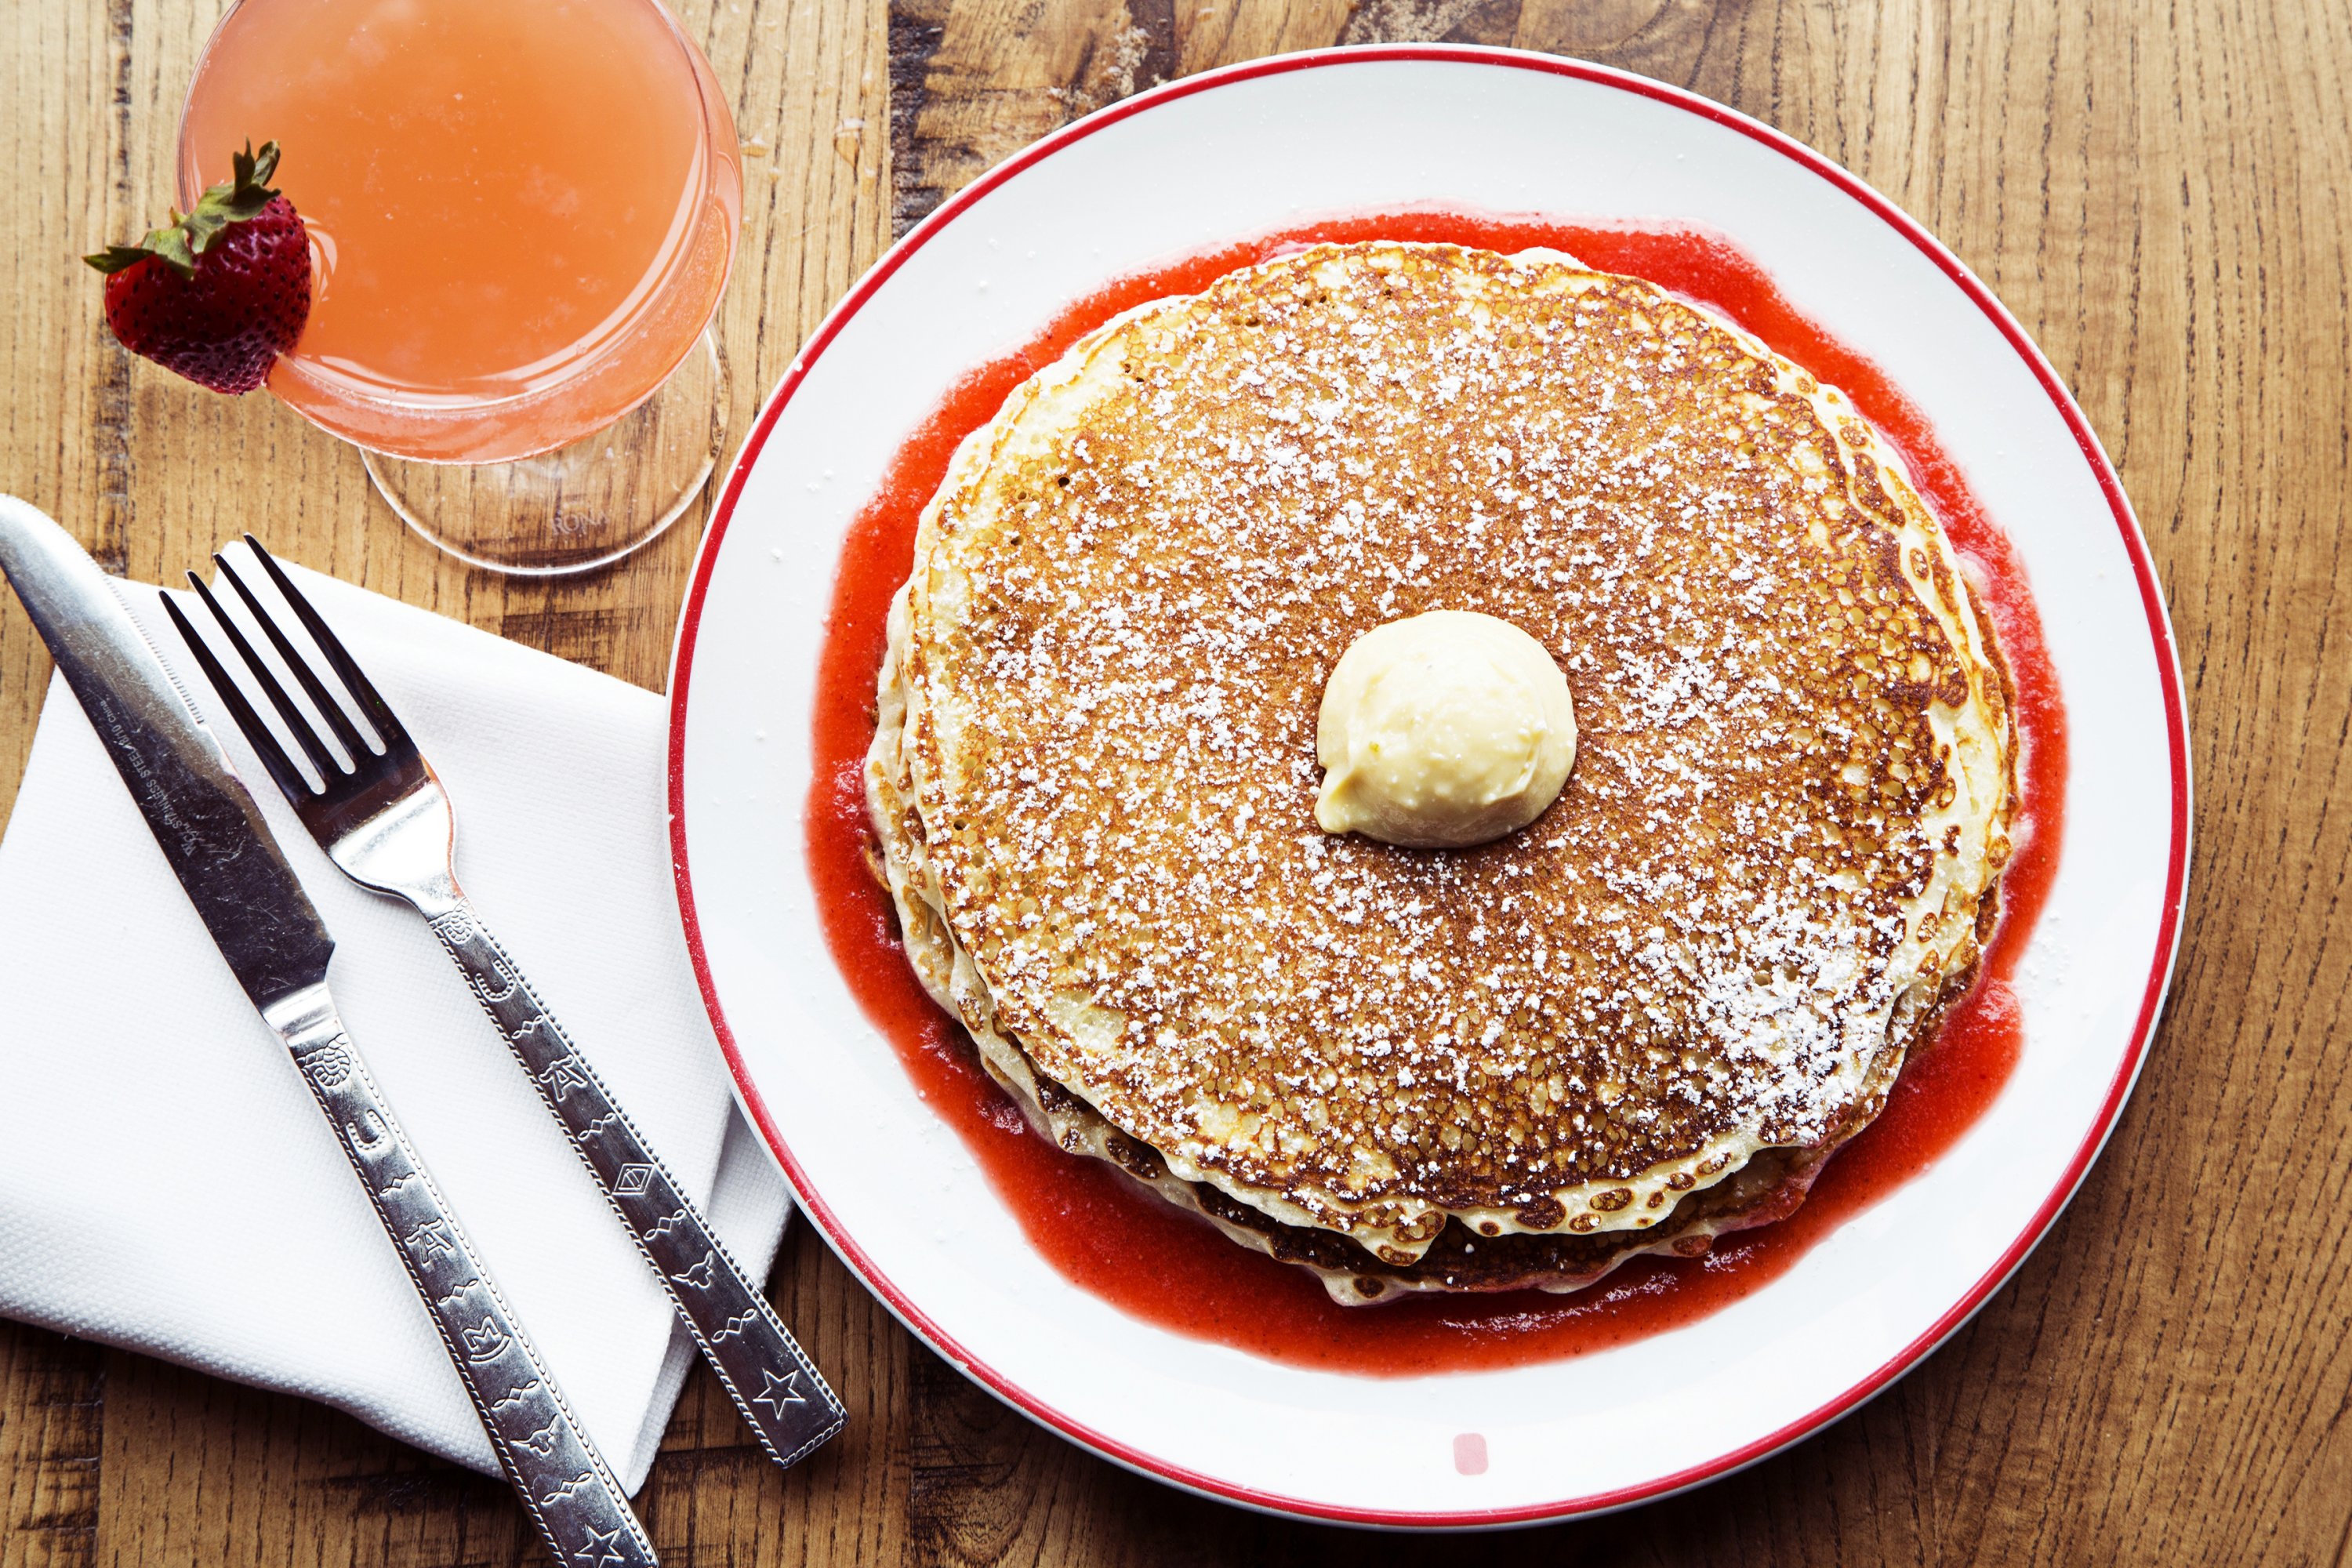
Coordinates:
<point>249,897</point>
<point>203,817</point>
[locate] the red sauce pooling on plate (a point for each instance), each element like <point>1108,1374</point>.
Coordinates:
<point>1171,1269</point>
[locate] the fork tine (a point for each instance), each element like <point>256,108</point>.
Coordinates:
<point>275,694</point>
<point>320,699</point>
<point>290,780</point>
<point>379,713</point>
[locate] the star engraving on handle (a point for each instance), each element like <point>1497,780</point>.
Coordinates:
<point>700,1275</point>
<point>780,1392</point>
<point>600,1548</point>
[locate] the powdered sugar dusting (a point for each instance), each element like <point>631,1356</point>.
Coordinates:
<point>1120,635</point>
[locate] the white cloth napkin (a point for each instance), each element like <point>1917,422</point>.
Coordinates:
<point>168,1185</point>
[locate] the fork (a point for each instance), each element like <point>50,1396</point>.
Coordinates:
<point>386,823</point>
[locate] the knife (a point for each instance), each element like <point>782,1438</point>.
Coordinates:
<point>217,844</point>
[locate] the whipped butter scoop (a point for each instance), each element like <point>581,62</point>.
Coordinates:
<point>1442,731</point>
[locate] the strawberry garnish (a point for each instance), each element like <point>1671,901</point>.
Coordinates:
<point>217,294</point>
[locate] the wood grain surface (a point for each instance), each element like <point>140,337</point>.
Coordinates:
<point>2158,190</point>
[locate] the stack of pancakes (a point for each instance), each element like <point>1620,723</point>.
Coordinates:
<point>1642,1021</point>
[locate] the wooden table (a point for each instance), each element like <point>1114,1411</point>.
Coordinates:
<point>2160,191</point>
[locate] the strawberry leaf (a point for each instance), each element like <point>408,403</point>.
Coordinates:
<point>115,257</point>
<point>189,235</point>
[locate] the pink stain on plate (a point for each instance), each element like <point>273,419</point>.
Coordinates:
<point>1470,1454</point>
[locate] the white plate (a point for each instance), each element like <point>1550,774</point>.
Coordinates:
<point>1257,148</point>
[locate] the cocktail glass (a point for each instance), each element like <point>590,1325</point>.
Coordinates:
<point>521,217</point>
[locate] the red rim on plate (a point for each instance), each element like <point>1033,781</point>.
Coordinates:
<point>2134,547</point>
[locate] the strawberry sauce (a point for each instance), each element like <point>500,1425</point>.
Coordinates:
<point>1171,1269</point>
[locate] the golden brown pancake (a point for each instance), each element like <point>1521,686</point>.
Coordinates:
<point>1094,773</point>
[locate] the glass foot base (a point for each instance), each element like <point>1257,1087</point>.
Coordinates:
<point>578,507</point>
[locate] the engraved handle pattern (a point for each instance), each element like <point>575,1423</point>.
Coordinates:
<point>572,1495</point>
<point>773,1383</point>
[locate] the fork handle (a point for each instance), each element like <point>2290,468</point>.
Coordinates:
<point>572,1495</point>
<point>771,1381</point>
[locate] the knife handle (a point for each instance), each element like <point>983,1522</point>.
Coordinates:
<point>771,1379</point>
<point>572,1495</point>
